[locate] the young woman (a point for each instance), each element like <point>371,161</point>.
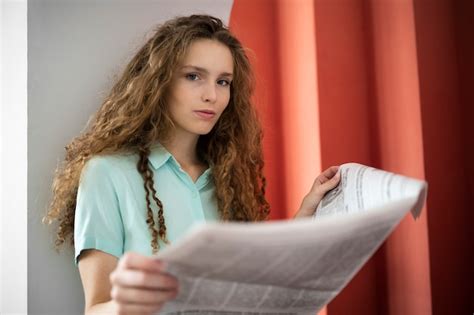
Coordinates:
<point>177,141</point>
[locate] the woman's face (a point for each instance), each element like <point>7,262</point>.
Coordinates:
<point>200,88</point>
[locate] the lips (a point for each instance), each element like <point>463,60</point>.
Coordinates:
<point>205,114</point>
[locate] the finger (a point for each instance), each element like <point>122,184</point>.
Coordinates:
<point>142,296</point>
<point>325,176</point>
<point>141,279</point>
<point>328,173</point>
<point>131,260</point>
<point>331,183</point>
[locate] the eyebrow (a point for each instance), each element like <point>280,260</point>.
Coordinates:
<point>226,74</point>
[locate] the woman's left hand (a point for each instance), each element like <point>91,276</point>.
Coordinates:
<point>326,181</point>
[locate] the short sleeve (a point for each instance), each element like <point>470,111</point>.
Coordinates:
<point>98,222</point>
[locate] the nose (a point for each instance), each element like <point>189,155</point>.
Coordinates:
<point>209,93</point>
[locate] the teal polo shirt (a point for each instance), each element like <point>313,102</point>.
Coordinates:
<point>111,208</point>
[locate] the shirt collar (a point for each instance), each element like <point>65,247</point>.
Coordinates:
<point>158,156</point>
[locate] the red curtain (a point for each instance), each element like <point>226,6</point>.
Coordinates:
<point>383,83</point>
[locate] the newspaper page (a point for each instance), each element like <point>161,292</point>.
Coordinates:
<point>294,266</point>
<point>363,187</point>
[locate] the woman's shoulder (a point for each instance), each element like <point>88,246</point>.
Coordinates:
<point>111,163</point>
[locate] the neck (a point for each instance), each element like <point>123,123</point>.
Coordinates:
<point>183,148</point>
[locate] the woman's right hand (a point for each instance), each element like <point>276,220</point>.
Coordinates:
<point>140,286</point>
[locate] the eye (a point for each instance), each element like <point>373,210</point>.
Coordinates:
<point>223,82</point>
<point>192,76</point>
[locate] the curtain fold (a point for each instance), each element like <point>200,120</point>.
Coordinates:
<point>400,147</point>
<point>387,84</point>
<point>300,114</point>
<point>446,83</point>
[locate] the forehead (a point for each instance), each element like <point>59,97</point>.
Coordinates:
<point>210,55</point>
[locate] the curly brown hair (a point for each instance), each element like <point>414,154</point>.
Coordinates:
<point>134,116</point>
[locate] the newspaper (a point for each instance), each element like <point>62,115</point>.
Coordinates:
<point>293,266</point>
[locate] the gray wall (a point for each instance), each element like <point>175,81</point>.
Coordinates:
<point>75,48</point>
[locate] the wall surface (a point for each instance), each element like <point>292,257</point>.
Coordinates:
<point>75,48</point>
<point>13,120</point>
